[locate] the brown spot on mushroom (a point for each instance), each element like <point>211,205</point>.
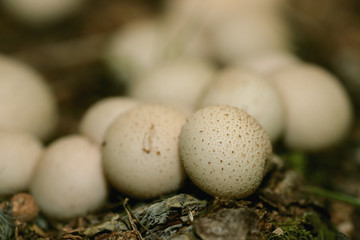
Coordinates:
<point>147,140</point>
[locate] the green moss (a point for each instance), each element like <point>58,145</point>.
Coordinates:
<point>309,227</point>
<point>292,231</point>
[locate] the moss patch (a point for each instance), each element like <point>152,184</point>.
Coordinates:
<point>309,227</point>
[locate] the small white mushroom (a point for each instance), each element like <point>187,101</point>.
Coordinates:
<point>69,180</point>
<point>19,154</point>
<point>142,45</point>
<point>42,12</point>
<point>224,151</point>
<point>251,93</point>
<point>239,36</point>
<point>318,109</point>
<point>100,115</point>
<point>266,63</point>
<point>177,83</point>
<point>134,49</point>
<point>26,101</point>
<point>140,151</point>
<point>205,13</point>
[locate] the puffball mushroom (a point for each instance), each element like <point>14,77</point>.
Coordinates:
<point>134,49</point>
<point>206,12</point>
<point>250,92</point>
<point>318,109</point>
<point>168,83</point>
<point>224,151</point>
<point>144,44</point>
<point>239,36</point>
<point>267,63</point>
<point>19,154</point>
<point>40,12</point>
<point>26,101</point>
<point>100,115</point>
<point>140,151</point>
<point>69,180</point>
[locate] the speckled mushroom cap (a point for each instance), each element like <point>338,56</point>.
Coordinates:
<point>100,115</point>
<point>140,151</point>
<point>26,101</point>
<point>69,180</point>
<point>42,12</point>
<point>250,92</point>
<point>224,151</point>
<point>19,154</point>
<point>177,83</point>
<point>318,109</point>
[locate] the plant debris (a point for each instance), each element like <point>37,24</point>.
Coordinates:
<point>241,224</point>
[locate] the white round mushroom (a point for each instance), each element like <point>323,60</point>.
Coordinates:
<point>19,154</point>
<point>69,180</point>
<point>239,36</point>
<point>224,151</point>
<point>26,101</point>
<point>142,45</point>
<point>134,49</point>
<point>140,151</point>
<point>251,93</point>
<point>177,83</point>
<point>206,12</point>
<point>267,63</point>
<point>40,12</point>
<point>318,109</point>
<point>100,115</point>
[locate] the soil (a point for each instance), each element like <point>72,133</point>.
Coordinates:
<point>303,196</point>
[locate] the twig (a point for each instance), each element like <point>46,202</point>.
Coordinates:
<point>133,226</point>
<point>132,215</point>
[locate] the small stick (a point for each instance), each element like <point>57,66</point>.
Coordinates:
<point>133,226</point>
<point>132,215</point>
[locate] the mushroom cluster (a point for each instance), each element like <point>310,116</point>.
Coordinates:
<point>211,86</point>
